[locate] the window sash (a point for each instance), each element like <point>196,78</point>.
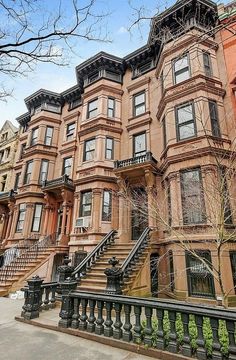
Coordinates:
<point>86,204</point>
<point>37,217</point>
<point>43,171</point>
<point>92,108</point>
<point>139,104</point>
<point>215,128</point>
<point>139,144</point>
<point>109,148</point>
<point>48,135</point>
<point>181,69</point>
<point>28,172</point>
<point>106,205</point>
<point>17,178</point>
<point>67,165</point>
<point>89,149</point>
<point>70,131</point>
<point>21,217</point>
<point>185,118</point>
<point>207,64</point>
<point>34,136</point>
<point>111,107</point>
<point>193,206</point>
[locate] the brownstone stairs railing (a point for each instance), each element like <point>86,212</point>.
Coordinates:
<point>17,268</point>
<point>131,256</point>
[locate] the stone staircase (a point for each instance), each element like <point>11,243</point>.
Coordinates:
<point>95,279</point>
<point>15,273</point>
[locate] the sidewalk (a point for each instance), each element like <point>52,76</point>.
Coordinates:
<point>19,341</point>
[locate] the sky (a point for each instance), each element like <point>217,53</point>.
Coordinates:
<point>120,14</point>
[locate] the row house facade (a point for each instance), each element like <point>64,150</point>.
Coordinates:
<point>149,124</point>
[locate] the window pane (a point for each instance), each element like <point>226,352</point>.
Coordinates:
<point>92,105</point>
<point>106,208</point>
<point>140,110</point>
<point>181,76</point>
<point>185,114</point>
<point>181,63</point>
<point>139,99</point>
<point>140,144</point>
<point>186,131</point>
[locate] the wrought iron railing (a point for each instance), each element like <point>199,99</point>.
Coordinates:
<point>94,255</point>
<point>63,180</point>
<point>7,194</point>
<point>25,256</point>
<point>135,160</point>
<point>134,255</point>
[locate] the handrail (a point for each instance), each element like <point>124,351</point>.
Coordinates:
<point>135,252</point>
<point>85,265</point>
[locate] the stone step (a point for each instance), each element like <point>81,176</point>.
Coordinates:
<point>90,289</point>
<point>94,281</point>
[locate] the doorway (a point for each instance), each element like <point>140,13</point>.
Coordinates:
<point>139,212</point>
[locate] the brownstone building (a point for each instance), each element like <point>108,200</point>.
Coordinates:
<point>151,124</point>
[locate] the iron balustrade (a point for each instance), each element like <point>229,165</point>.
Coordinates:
<point>25,257</point>
<point>135,160</point>
<point>94,255</point>
<point>63,180</point>
<point>142,321</point>
<point>135,253</point>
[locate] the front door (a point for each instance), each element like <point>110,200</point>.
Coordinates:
<point>139,212</point>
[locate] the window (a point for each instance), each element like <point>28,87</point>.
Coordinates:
<point>181,69</point>
<point>86,203</point>
<point>113,75</point>
<point>37,217</point>
<point>171,271</point>
<point>67,165</point>
<point>185,122</point>
<point>74,103</point>
<point>4,136</point>
<point>89,149</point>
<point>3,183</point>
<point>192,197</point>
<point>164,132</point>
<point>7,153</point>
<point>207,64</point>
<point>200,280</point>
<point>70,129</point>
<point>48,136</point>
<point>139,144</point>
<point>28,171</point>
<point>22,151</point>
<point>111,107</point>
<point>106,205</point>
<point>139,106</point>
<point>224,195</point>
<point>17,179</point>
<point>1,156</point>
<point>92,109</point>
<point>233,267</point>
<point>43,171</point>
<point>162,82</point>
<point>215,128</point>
<point>93,77</point>
<point>21,218</point>
<point>109,148</point>
<point>143,68</point>
<point>34,136</point>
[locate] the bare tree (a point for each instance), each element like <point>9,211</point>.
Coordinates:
<point>33,31</point>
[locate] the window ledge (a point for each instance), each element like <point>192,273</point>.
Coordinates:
<point>146,113</point>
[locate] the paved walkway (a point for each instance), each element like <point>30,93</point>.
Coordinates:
<point>20,341</point>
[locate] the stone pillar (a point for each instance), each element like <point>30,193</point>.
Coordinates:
<point>69,220</point>
<point>152,199</point>
<point>115,211</point>
<point>10,217</point>
<point>15,214</point>
<point>96,209</point>
<point>28,219</point>
<point>124,213</point>
<point>46,220</point>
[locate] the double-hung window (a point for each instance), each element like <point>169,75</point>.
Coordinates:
<point>207,64</point>
<point>139,144</point>
<point>28,171</point>
<point>70,130</point>
<point>92,109</point>
<point>34,136</point>
<point>193,206</point>
<point>215,127</point>
<point>109,148</point>
<point>48,136</point>
<point>67,165</point>
<point>139,105</point>
<point>43,171</point>
<point>106,205</point>
<point>21,218</point>
<point>200,279</point>
<point>185,121</point>
<point>17,179</point>
<point>37,217</point>
<point>22,151</point>
<point>181,69</point>
<point>89,149</point>
<point>111,107</point>
<point>86,203</point>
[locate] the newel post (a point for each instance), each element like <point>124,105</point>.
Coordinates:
<point>114,276</point>
<point>65,271</point>
<point>67,305</point>
<point>33,298</point>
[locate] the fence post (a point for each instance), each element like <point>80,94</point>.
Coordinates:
<point>67,304</point>
<point>33,298</point>
<point>114,275</point>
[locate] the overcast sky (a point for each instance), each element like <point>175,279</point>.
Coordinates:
<point>58,79</point>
